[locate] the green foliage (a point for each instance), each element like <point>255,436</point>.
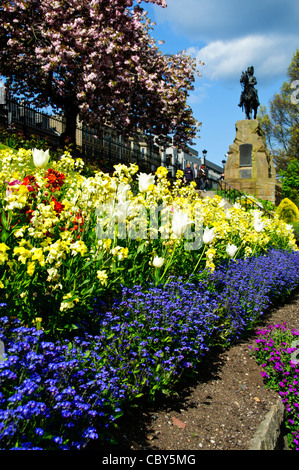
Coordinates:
<point>267,205</point>
<point>280,124</point>
<point>296,226</point>
<point>290,181</point>
<point>288,211</point>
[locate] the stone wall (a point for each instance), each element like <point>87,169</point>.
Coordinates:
<point>249,165</point>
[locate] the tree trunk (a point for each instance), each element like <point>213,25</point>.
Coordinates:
<point>69,135</point>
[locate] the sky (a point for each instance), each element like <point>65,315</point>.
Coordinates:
<point>228,36</point>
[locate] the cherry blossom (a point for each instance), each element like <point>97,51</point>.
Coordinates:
<point>97,62</point>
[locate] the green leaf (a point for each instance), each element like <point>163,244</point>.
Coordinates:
<point>140,248</point>
<point>4,220</point>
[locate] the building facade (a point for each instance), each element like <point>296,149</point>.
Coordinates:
<point>108,148</point>
<point>174,159</point>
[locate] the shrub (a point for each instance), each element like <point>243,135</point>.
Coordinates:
<point>288,211</point>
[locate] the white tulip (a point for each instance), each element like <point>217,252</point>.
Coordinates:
<point>40,158</point>
<point>258,225</point>
<point>122,192</point>
<point>158,262</point>
<point>228,214</point>
<point>208,235</point>
<point>122,210</point>
<point>180,222</point>
<point>256,214</point>
<point>144,181</point>
<point>231,250</point>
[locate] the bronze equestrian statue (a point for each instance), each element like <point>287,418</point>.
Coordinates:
<point>249,97</point>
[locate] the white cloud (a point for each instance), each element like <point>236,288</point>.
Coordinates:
<point>199,94</point>
<point>224,60</point>
<point>203,20</point>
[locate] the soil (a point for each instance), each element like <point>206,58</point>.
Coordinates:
<point>220,409</point>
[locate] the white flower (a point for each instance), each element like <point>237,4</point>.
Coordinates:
<point>180,222</point>
<point>40,158</point>
<point>122,192</point>
<point>122,210</point>
<point>20,232</point>
<point>256,214</point>
<point>144,181</point>
<point>208,235</point>
<point>258,225</point>
<point>158,262</point>
<point>231,250</point>
<point>228,214</point>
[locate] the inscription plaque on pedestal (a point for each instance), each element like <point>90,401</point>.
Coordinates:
<point>245,154</point>
<point>245,173</point>
<point>249,166</point>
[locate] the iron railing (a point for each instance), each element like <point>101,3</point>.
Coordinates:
<point>109,149</point>
<point>235,195</point>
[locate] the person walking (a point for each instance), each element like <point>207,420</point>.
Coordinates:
<point>202,178</point>
<point>188,174</point>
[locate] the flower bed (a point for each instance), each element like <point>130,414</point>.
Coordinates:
<point>277,352</point>
<point>63,394</point>
<point>66,238</point>
<point>93,314</point>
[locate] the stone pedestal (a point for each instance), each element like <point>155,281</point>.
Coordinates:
<point>249,165</point>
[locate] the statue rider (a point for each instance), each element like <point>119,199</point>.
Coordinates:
<point>248,81</point>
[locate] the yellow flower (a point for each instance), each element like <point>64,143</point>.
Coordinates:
<point>47,241</point>
<point>151,187</point>
<point>161,172</point>
<point>211,252</point>
<point>248,251</point>
<point>23,189</point>
<point>68,304</point>
<point>31,268</point>
<point>4,247</point>
<point>78,247</point>
<point>38,255</point>
<point>107,243</point>
<point>102,276</point>
<point>23,252</point>
<point>120,252</point>
<point>20,231</point>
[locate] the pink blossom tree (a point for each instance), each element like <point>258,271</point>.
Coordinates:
<point>96,60</point>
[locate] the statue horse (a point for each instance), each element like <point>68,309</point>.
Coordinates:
<point>249,97</point>
<point>251,105</point>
